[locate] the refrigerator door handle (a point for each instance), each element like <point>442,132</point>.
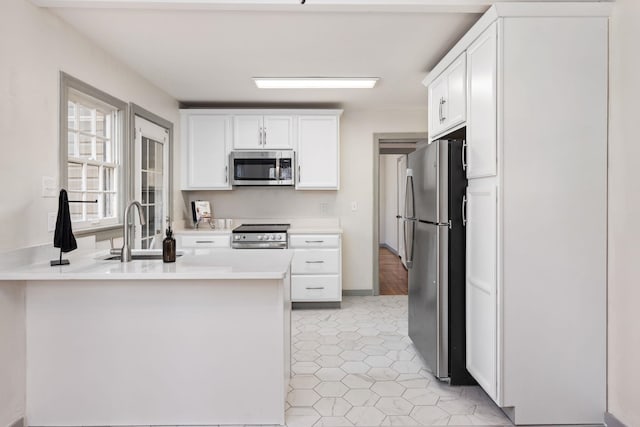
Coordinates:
<point>409,241</point>
<point>464,211</point>
<point>409,196</point>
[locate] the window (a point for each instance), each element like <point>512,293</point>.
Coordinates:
<point>92,157</point>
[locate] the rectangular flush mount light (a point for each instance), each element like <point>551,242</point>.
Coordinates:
<point>315,82</point>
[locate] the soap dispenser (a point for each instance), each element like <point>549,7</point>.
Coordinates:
<point>169,246</point>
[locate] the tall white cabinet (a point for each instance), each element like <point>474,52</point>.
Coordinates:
<point>536,207</point>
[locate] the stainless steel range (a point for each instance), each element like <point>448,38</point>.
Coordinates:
<point>260,236</point>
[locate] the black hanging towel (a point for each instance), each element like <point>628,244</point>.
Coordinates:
<point>63,237</point>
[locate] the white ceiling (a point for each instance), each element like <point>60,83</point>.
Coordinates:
<point>211,55</point>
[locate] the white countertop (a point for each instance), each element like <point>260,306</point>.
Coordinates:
<point>195,264</point>
<point>314,230</point>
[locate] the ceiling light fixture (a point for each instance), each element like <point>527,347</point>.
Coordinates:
<point>315,82</point>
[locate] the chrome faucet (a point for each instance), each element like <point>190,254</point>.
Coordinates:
<point>125,254</point>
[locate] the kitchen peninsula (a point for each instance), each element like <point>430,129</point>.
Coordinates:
<point>202,341</point>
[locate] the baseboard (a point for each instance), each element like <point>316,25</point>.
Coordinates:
<point>611,421</point>
<point>357,292</point>
<point>389,248</point>
<point>18,423</point>
<point>314,305</point>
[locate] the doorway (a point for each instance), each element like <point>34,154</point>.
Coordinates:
<point>390,165</point>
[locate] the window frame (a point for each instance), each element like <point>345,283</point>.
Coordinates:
<point>67,84</point>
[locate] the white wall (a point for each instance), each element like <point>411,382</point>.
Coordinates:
<point>356,184</point>
<point>624,215</point>
<point>34,47</point>
<point>389,200</point>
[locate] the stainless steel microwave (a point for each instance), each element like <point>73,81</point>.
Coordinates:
<point>258,168</point>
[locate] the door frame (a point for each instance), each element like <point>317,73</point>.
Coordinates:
<point>389,143</point>
<point>136,110</point>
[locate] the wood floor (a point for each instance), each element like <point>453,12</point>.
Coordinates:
<point>393,275</point>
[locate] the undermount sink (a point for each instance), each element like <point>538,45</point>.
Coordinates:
<point>139,254</point>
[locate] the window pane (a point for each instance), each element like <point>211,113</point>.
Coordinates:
<point>93,180</point>
<point>159,156</point>
<point>75,209</point>
<point>100,123</point>
<point>152,155</point>
<point>72,139</point>
<point>144,160</point>
<point>108,179</point>
<point>109,205</point>
<point>86,118</point>
<point>74,180</point>
<point>71,116</point>
<point>92,208</point>
<point>85,147</point>
<point>100,150</point>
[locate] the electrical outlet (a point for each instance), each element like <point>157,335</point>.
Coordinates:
<point>52,217</point>
<point>354,206</point>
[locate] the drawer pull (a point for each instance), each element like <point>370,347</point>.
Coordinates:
<point>205,241</point>
<point>311,288</point>
<point>314,241</point>
<point>314,262</point>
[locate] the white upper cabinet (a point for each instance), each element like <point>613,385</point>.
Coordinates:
<point>448,99</point>
<point>258,132</point>
<point>318,152</point>
<point>207,143</point>
<point>482,140</point>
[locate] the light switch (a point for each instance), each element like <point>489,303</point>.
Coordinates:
<point>49,187</point>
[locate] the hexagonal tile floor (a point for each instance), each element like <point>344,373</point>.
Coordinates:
<point>356,366</point>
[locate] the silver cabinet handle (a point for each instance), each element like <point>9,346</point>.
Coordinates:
<point>440,110</point>
<point>298,173</point>
<point>464,211</point>
<point>444,101</point>
<point>314,287</point>
<point>314,262</point>
<point>260,136</point>
<point>226,173</point>
<point>205,241</point>
<point>264,136</point>
<point>314,241</point>
<point>464,155</point>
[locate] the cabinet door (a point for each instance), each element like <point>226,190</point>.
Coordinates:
<point>482,62</point>
<point>455,107</point>
<point>481,283</point>
<point>247,132</point>
<point>208,142</point>
<point>437,96</point>
<point>318,153</point>
<point>278,132</point>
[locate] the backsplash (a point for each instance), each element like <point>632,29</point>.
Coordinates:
<point>261,202</point>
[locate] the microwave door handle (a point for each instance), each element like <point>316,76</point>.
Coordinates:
<point>278,177</point>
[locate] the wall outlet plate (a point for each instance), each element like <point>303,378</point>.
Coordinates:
<point>49,187</point>
<point>354,206</point>
<point>52,217</point>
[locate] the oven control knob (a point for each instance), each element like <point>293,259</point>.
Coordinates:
<point>278,237</point>
<point>259,237</point>
<point>236,237</point>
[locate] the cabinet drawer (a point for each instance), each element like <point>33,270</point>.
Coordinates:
<point>205,241</point>
<point>316,288</point>
<point>314,241</point>
<point>316,261</point>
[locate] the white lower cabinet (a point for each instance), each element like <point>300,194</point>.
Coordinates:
<point>316,268</point>
<point>203,240</point>
<point>481,283</point>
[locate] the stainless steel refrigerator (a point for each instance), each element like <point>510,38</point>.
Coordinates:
<point>435,253</point>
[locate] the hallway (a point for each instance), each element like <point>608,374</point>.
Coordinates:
<point>393,275</point>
